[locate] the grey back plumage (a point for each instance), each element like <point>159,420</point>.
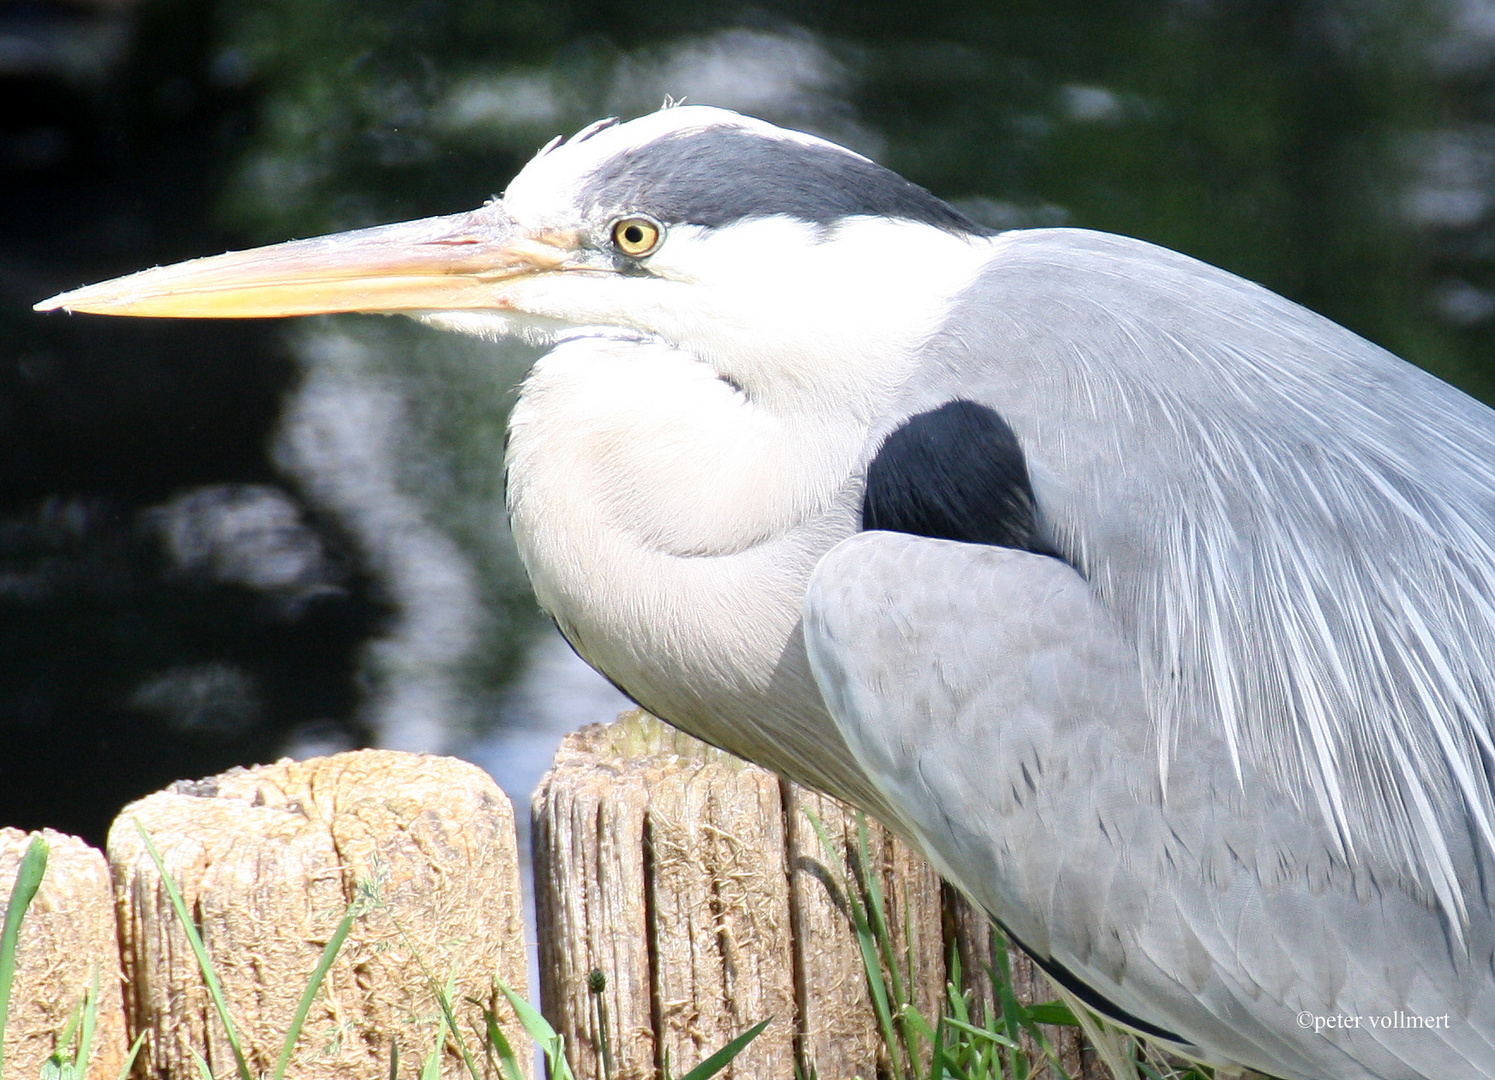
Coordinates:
<point>1231,765</point>
<point>1293,528</point>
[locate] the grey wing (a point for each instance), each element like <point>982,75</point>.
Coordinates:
<point>1293,528</point>
<point>992,701</point>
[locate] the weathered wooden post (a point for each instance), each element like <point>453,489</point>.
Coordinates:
<point>672,869</point>
<point>66,941</point>
<point>659,864</point>
<point>268,861</point>
<point>838,1029</point>
<point>683,894</point>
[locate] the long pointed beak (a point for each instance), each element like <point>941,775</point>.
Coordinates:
<point>435,264</point>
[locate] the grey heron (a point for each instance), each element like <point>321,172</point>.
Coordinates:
<point>1158,610</point>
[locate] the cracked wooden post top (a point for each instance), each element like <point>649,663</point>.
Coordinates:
<point>268,860</point>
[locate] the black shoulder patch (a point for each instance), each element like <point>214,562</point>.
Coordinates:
<point>720,175</point>
<point>954,473</point>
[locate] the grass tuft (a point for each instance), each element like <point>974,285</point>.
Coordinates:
<point>959,1044</point>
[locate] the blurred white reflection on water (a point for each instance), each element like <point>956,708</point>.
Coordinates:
<point>396,433</point>
<point>556,692</point>
<point>790,76</point>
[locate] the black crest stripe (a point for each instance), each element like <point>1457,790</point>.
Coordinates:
<point>717,176</point>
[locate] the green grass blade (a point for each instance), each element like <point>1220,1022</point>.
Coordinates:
<point>879,992</point>
<point>65,1037</point>
<point>540,1030</point>
<point>444,999</point>
<point>1002,980</point>
<point>723,1057</point>
<point>953,984</point>
<point>202,1066</point>
<point>914,1020</point>
<point>431,1067</point>
<point>867,945</point>
<point>865,924</point>
<point>205,965</point>
<point>557,1067</point>
<point>530,1019</point>
<point>983,1034</point>
<point>877,912</point>
<point>124,1072</point>
<point>498,1045</point>
<point>1052,1012</point>
<point>90,1021</point>
<point>938,1067</point>
<point>28,880</point>
<point>303,1007</point>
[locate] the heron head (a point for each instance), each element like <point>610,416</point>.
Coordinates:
<point>758,250</point>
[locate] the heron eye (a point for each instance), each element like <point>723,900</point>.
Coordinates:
<point>637,236</point>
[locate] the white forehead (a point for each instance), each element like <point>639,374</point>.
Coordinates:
<point>546,191</point>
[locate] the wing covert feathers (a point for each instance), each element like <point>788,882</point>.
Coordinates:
<point>994,700</point>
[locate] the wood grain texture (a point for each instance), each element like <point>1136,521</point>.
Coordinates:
<point>592,912</point>
<point>268,859</point>
<point>652,847</point>
<point>649,844</point>
<point>67,936</point>
<point>839,1031</point>
<point>720,914</point>
<point>696,885</point>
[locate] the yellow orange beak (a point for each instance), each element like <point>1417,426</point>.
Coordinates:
<point>436,264</point>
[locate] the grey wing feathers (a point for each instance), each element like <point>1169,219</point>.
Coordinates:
<point>992,699</point>
<point>1294,529</point>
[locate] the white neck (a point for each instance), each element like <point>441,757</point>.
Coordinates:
<point>669,507</point>
<point>738,406</point>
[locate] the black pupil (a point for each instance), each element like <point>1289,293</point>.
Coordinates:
<point>634,234</point>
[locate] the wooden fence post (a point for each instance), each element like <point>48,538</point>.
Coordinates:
<point>683,895</point>
<point>269,859</point>
<point>66,940</point>
<point>592,917</point>
<point>692,888</point>
<point>660,864</point>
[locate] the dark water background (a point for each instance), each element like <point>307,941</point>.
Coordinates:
<point>220,542</point>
